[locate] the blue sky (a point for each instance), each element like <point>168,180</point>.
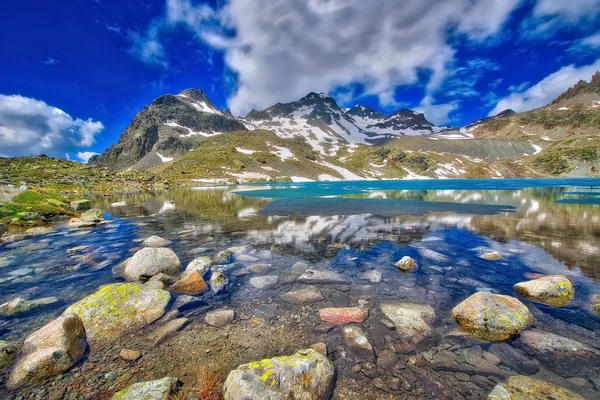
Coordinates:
<point>75,72</point>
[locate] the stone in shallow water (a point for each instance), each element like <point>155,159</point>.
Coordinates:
<point>306,375</point>
<point>259,269</point>
<point>200,265</point>
<point>562,355</point>
<point>303,296</point>
<point>6,349</point>
<point>150,261</point>
<point>218,281</point>
<point>93,215</point>
<point>190,283</point>
<point>342,316</point>
<point>264,282</point>
<point>156,241</point>
<point>514,359</point>
<point>524,388</point>
<point>405,264</point>
<point>246,258</point>
<point>412,321</point>
<point>19,305</point>
<point>219,318</point>
<point>552,290</point>
<point>162,333</point>
<point>159,281</point>
<point>372,276</point>
<point>357,344</point>
<point>119,308</point>
<point>492,317</point>
<point>150,390</point>
<point>129,355</point>
<point>49,351</point>
<point>81,205</point>
<point>491,256</point>
<point>313,276</point>
<point>40,230</point>
<point>596,305</point>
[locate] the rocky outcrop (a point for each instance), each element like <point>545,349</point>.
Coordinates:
<point>150,390</point>
<point>119,308</point>
<point>553,290</point>
<point>150,261</point>
<point>412,321</point>
<point>524,388</point>
<point>306,375</point>
<point>19,305</point>
<point>562,355</point>
<point>492,317</point>
<point>49,351</point>
<point>342,316</point>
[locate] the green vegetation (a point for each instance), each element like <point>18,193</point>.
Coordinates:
<point>564,156</point>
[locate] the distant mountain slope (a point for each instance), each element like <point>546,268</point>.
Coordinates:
<point>170,126</point>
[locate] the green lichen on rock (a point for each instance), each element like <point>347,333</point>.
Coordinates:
<point>492,317</point>
<point>552,290</point>
<point>119,308</point>
<point>306,375</point>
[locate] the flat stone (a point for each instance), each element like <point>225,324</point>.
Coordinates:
<point>524,388</point>
<point>514,359</point>
<point>19,305</point>
<point>130,355</point>
<point>246,258</point>
<point>552,290</point>
<point>259,269</point>
<point>356,343</point>
<point>219,318</point>
<point>162,333</point>
<point>150,390</point>
<point>303,296</point>
<point>298,269</point>
<point>342,316</point>
<point>264,282</point>
<point>49,351</point>
<point>492,317</point>
<point>312,276</point>
<point>190,283</point>
<point>412,321</point>
<point>156,241</point>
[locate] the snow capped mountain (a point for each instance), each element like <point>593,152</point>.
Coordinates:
<point>318,119</point>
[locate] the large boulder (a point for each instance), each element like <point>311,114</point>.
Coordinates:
<point>93,215</point>
<point>306,375</point>
<point>119,308</point>
<point>151,261</point>
<point>19,305</point>
<point>49,351</point>
<point>160,389</point>
<point>552,290</point>
<point>492,317</point>
<point>524,388</point>
<point>412,321</point>
<point>562,355</point>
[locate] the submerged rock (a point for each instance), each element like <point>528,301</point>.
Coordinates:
<point>156,241</point>
<point>201,265</point>
<point>226,256</point>
<point>306,375</point>
<point>218,281</point>
<point>412,321</point>
<point>150,261</point>
<point>40,230</point>
<point>303,296</point>
<point>492,317</point>
<point>524,388</point>
<point>162,333</point>
<point>159,281</point>
<point>514,359</point>
<point>119,308</point>
<point>342,316</point>
<point>553,290</point>
<point>190,283</point>
<point>19,305</point>
<point>313,276</point>
<point>49,351</point>
<point>259,269</point>
<point>406,264</point>
<point>264,282</point>
<point>93,215</point>
<point>219,318</point>
<point>562,355</point>
<point>130,355</point>
<point>491,256</point>
<point>372,276</point>
<point>150,390</point>
<point>596,306</point>
<point>81,205</point>
<point>79,223</point>
<point>357,344</point>
<point>6,349</point>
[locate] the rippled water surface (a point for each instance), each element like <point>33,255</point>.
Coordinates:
<point>538,226</point>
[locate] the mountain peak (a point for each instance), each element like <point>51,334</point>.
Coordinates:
<point>195,94</point>
<point>581,88</point>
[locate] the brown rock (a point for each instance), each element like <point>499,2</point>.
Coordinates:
<point>191,283</point>
<point>342,316</point>
<point>130,355</point>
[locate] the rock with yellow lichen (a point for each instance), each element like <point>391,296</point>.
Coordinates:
<point>492,317</point>
<point>119,308</point>
<point>306,375</point>
<point>551,290</point>
<point>524,388</point>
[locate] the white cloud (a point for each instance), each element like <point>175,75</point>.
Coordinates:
<point>437,113</point>
<point>147,47</point>
<point>29,126</point>
<point>548,16</point>
<point>590,43</point>
<point>86,155</point>
<point>547,89</point>
<point>281,50</point>
<point>50,61</point>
